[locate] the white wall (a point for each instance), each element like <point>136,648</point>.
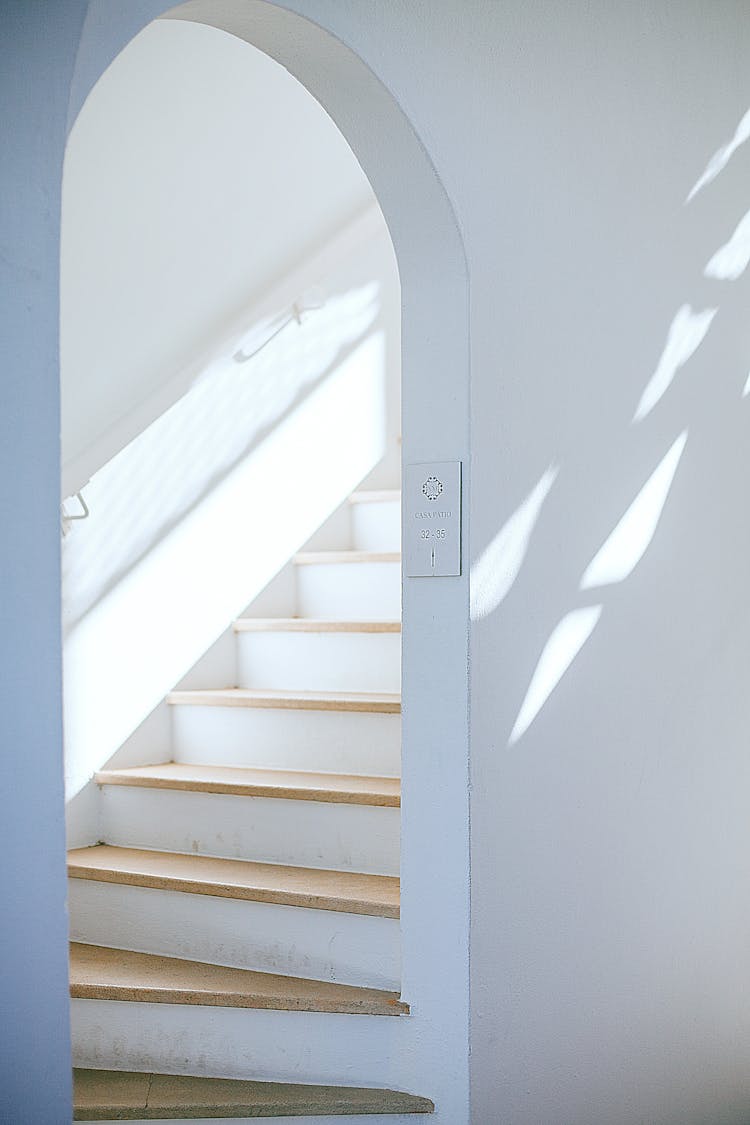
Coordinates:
<point>611,841</point>
<point>610,919</point>
<point>35,1058</point>
<point>198,173</point>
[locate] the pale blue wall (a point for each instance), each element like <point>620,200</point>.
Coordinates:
<point>34,80</point>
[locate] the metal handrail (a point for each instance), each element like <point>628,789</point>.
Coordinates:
<point>309,302</point>
<point>67,519</point>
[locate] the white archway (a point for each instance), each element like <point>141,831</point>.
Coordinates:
<point>435,406</point>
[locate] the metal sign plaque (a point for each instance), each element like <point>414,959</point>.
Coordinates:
<point>432,519</point>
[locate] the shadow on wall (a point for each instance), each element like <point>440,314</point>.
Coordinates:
<point>237,476</point>
<point>174,465</point>
<point>497,569</point>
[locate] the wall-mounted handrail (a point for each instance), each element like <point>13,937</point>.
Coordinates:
<point>302,279</point>
<point>310,301</point>
<point>68,519</point>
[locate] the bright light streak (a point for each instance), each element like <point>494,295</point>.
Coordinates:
<point>730,261</point>
<point>686,333</point>
<point>142,636</point>
<point>497,568</point>
<point>721,158</point>
<point>167,469</point>
<point>625,547</point>
<point>746,390</point>
<point>566,641</point>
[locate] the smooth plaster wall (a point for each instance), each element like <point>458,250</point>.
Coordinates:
<point>610,910</point>
<point>34,1061</point>
<point>610,841</point>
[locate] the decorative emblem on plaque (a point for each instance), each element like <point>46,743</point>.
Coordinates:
<point>432,488</point>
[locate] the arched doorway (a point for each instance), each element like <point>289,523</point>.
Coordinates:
<point>435,426</point>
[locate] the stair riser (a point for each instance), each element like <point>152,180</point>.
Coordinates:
<point>301,833</point>
<point>349,591</point>
<point>376,526</point>
<point>320,661</point>
<point>238,1043</point>
<point>336,741</point>
<point>319,944</point>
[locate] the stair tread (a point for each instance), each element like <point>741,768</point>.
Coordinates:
<point>312,625</point>
<point>378,701</point>
<point>308,558</point>
<point>344,891</point>
<point>376,496</point>
<point>127,1095</point>
<point>252,782</point>
<point>102,973</point>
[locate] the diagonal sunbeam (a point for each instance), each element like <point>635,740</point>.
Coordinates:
<point>722,156</point>
<point>564,644</point>
<point>730,260</point>
<point>626,545</point>
<point>686,333</point>
<point>497,568</point>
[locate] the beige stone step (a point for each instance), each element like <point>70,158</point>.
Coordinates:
<point>114,1095</point>
<point>343,891</point>
<point>345,789</point>
<point>312,625</point>
<point>327,558</point>
<point>384,703</point>
<point>100,973</point>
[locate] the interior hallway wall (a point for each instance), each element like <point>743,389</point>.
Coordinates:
<point>34,84</point>
<point>610,840</point>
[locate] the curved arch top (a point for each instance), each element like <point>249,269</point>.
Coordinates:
<point>367,113</point>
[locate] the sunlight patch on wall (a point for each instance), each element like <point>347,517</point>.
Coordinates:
<point>626,545</point>
<point>144,633</point>
<point>143,492</point>
<point>722,156</point>
<point>497,568</point>
<point>730,261</point>
<point>566,641</point>
<point>686,333</point>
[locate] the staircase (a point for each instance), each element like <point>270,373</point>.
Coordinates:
<point>235,947</point>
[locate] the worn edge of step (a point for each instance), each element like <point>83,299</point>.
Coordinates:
<point>376,496</point>
<point>312,888</point>
<point>311,625</point>
<point>249,781</point>
<point>328,558</point>
<point>384,703</point>
<point>105,973</point>
<point>115,1095</point>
